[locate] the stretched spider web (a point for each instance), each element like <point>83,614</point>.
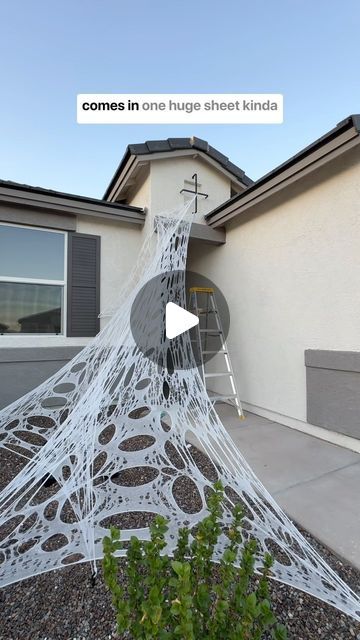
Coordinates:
<point>110,439</point>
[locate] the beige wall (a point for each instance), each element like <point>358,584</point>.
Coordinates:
<point>290,272</point>
<point>159,184</point>
<point>160,189</point>
<point>139,194</point>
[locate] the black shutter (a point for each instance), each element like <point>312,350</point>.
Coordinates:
<point>83,299</point>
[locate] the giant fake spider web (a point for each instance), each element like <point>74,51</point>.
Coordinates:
<point>78,429</point>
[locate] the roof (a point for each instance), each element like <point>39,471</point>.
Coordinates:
<point>48,199</point>
<point>323,148</point>
<point>44,201</point>
<point>61,194</point>
<point>177,144</point>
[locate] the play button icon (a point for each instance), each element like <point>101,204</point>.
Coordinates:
<point>178,320</point>
<point>168,334</point>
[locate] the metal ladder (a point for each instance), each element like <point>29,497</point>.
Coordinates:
<point>208,309</point>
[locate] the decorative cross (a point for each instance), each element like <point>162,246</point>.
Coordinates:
<point>195,192</point>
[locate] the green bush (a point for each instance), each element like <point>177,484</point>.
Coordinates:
<point>188,596</point>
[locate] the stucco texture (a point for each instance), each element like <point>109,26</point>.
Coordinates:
<point>290,271</point>
<point>167,180</point>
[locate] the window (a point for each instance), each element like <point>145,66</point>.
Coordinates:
<point>32,280</point>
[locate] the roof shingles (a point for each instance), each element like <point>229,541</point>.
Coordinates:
<point>179,144</point>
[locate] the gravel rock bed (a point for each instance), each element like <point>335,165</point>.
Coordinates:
<point>66,605</point>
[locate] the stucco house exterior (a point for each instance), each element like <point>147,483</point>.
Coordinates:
<point>284,250</point>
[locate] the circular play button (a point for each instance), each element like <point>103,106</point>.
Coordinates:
<point>180,320</point>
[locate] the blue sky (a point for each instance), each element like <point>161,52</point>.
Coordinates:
<point>50,51</point>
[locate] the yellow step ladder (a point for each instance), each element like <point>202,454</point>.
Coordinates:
<point>202,303</point>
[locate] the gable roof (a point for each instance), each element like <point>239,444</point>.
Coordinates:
<point>152,147</point>
<point>344,136</point>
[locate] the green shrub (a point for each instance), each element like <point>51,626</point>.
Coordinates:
<point>189,597</point>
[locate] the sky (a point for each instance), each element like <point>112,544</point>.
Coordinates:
<point>51,51</point>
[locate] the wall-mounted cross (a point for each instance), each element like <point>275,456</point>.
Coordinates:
<point>195,192</point>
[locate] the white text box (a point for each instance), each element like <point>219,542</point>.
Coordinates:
<point>180,108</point>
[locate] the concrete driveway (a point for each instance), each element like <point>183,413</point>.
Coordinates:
<point>316,483</point>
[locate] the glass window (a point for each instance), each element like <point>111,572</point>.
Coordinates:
<point>30,308</point>
<point>32,280</point>
<point>31,253</point>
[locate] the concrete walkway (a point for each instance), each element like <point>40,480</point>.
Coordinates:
<point>316,483</point>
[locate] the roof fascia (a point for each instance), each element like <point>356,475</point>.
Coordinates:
<point>134,161</point>
<point>45,202</point>
<point>306,165</point>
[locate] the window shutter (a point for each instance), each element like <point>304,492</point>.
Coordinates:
<point>83,297</point>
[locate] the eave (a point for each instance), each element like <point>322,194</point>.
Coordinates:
<point>139,155</point>
<point>327,148</point>
<point>56,202</point>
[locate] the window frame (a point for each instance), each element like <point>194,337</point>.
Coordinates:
<point>62,283</point>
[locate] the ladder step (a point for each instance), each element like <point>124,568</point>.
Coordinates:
<point>215,331</point>
<point>217,351</point>
<point>215,398</point>
<point>218,375</point>
<point>201,290</point>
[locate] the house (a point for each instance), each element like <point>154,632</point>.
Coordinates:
<point>284,250</point>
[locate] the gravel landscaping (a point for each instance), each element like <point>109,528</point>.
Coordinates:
<point>66,605</point>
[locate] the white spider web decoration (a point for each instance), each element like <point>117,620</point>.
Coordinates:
<point>79,428</point>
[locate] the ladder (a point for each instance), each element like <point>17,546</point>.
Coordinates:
<point>203,304</point>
